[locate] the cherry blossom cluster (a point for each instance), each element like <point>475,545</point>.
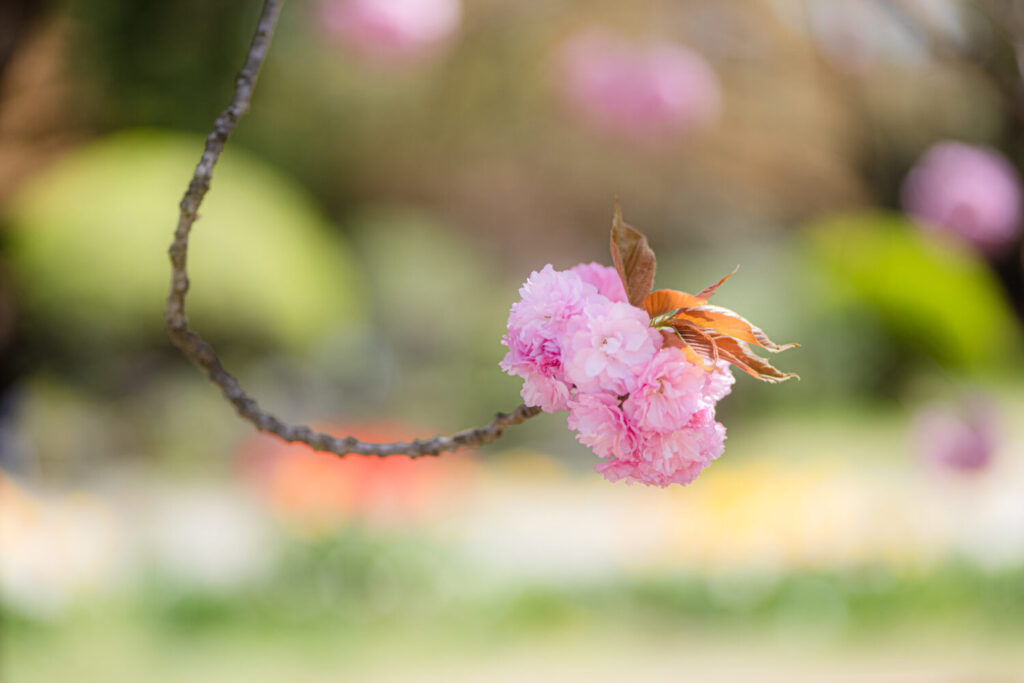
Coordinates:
<point>644,408</point>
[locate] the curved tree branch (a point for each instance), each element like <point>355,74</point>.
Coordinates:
<point>203,355</point>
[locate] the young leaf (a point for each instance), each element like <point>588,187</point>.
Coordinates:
<point>700,341</point>
<point>662,301</point>
<point>633,258</point>
<point>675,338</point>
<point>713,333</point>
<point>708,291</point>
<point>731,324</point>
<point>740,355</point>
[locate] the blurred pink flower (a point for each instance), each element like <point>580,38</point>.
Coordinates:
<point>642,91</point>
<point>608,347</point>
<point>605,278</point>
<point>667,394</point>
<point>390,28</point>
<point>601,424</point>
<point>968,191</point>
<point>961,438</point>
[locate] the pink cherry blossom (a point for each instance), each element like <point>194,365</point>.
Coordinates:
<point>605,278</point>
<point>674,458</point>
<point>669,391</point>
<point>390,28</point>
<point>538,360</point>
<point>600,423</point>
<point>642,91</point>
<point>609,344</point>
<point>718,383</point>
<point>536,326</point>
<point>667,462</point>
<point>549,299</point>
<point>579,346</point>
<point>546,391</point>
<point>968,191</point>
<point>710,434</point>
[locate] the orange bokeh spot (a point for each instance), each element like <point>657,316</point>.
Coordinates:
<point>318,491</point>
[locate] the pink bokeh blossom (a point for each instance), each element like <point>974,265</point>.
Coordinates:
<point>609,344</point>
<point>968,191</point>
<point>642,91</point>
<point>390,28</point>
<point>960,438</point>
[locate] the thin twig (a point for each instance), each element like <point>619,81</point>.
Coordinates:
<point>203,355</point>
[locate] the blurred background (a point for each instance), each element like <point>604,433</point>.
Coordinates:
<point>406,164</point>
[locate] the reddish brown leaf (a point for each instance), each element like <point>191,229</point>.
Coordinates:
<point>708,291</point>
<point>699,340</point>
<point>633,258</point>
<point>672,338</point>
<point>739,354</point>
<point>705,333</point>
<point>662,301</point>
<point>730,323</point>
